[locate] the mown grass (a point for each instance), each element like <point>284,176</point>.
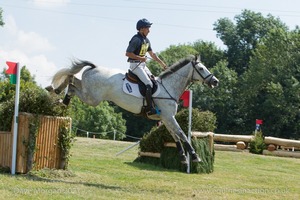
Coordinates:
<point>97,173</point>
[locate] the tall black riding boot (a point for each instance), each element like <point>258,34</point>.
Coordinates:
<point>150,109</point>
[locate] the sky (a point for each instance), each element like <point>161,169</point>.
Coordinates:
<point>46,35</point>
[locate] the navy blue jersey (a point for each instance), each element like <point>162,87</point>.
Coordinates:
<point>139,45</point>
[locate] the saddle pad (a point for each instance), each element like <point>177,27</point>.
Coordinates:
<point>133,89</point>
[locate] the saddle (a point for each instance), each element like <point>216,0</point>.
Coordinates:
<point>131,77</point>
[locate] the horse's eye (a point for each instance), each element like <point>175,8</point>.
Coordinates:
<point>201,68</point>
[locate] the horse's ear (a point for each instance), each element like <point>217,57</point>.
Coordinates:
<point>198,58</point>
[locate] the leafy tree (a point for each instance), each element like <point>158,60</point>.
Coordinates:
<point>7,90</point>
<point>99,119</point>
<point>270,88</point>
<point>210,54</point>
<point>1,19</point>
<point>220,100</point>
<point>3,75</point>
<point>33,99</point>
<point>208,51</point>
<point>26,75</point>
<point>244,36</point>
<point>136,126</point>
<point>170,56</point>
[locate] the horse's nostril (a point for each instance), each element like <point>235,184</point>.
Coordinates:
<point>216,82</point>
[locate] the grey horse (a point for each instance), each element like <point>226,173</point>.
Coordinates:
<point>99,83</point>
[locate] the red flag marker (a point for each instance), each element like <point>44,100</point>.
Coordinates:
<point>186,98</point>
<point>259,121</point>
<point>12,68</point>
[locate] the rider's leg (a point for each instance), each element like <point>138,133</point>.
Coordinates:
<point>150,109</point>
<point>141,71</point>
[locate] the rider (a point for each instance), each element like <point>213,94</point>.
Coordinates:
<point>138,46</point>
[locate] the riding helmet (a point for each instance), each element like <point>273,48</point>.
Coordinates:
<point>143,23</point>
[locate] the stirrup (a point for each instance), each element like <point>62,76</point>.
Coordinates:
<point>151,111</point>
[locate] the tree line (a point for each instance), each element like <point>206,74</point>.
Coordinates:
<point>258,72</point>
<point>258,69</point>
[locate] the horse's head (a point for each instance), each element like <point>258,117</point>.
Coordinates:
<point>201,73</point>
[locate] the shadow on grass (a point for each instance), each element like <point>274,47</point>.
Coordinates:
<point>97,185</point>
<point>148,166</point>
<point>36,177</point>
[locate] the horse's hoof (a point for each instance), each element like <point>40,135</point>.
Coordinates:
<point>49,88</point>
<point>57,91</point>
<point>196,158</point>
<point>183,159</point>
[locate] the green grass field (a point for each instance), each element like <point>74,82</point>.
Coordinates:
<point>95,172</point>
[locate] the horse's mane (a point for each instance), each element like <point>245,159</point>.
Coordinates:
<point>178,65</point>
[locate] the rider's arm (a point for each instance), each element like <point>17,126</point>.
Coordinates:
<point>135,57</point>
<point>156,58</point>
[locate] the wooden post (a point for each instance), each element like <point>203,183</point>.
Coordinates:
<point>282,142</point>
<point>149,154</point>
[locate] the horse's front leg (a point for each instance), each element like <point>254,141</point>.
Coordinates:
<point>178,134</point>
<point>182,156</point>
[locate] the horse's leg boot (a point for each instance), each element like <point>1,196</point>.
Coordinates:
<point>182,156</point>
<point>67,100</point>
<point>195,157</point>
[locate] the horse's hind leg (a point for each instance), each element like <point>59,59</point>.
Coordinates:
<point>60,88</point>
<point>183,158</point>
<point>76,88</point>
<point>178,135</point>
<point>74,84</point>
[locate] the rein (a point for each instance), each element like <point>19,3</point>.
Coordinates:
<point>192,82</point>
<point>210,76</point>
<point>171,98</point>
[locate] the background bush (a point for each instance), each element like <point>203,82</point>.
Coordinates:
<point>257,145</point>
<point>201,121</point>
<point>32,99</point>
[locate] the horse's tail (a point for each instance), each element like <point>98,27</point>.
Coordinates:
<point>62,75</point>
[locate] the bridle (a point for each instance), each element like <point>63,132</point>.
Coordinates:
<point>207,79</point>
